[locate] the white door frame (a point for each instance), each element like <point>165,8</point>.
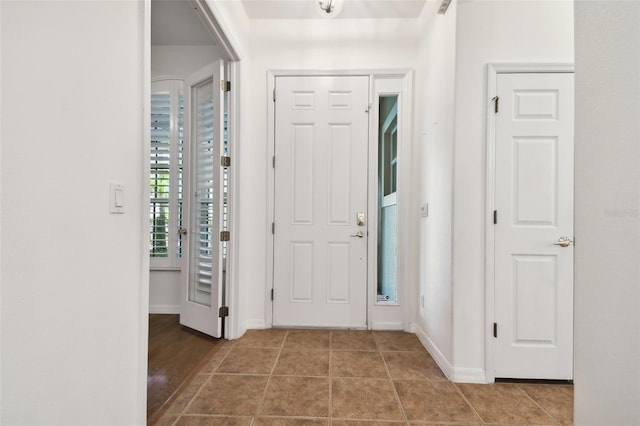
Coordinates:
<point>405,265</point>
<point>210,20</point>
<point>492,73</point>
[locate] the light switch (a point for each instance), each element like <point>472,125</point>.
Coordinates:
<point>119,197</point>
<point>116,198</point>
<point>424,210</point>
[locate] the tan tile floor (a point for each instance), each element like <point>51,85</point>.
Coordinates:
<point>351,378</point>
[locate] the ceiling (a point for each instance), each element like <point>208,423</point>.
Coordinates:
<point>351,9</point>
<point>175,23</point>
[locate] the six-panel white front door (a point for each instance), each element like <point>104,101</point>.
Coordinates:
<point>534,212</point>
<point>320,250</point>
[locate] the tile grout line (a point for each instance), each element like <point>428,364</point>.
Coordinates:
<point>197,393</point>
<point>539,405</point>
<point>393,385</point>
<point>330,373</point>
<point>266,387</point>
<point>455,385</point>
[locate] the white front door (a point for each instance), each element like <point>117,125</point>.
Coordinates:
<point>534,215</point>
<point>201,281</point>
<point>320,238</point>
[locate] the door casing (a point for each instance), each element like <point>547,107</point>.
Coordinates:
<point>492,71</point>
<point>391,317</point>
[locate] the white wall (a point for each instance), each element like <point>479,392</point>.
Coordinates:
<point>607,295</point>
<point>297,45</point>
<point>488,32</point>
<point>74,277</point>
<point>164,292</point>
<point>434,135</point>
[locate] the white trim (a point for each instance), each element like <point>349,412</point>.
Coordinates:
<point>492,73</point>
<point>270,191</point>
<point>209,16</point>
<point>392,83</point>
<point>253,324</point>
<point>405,103</point>
<point>164,309</point>
<point>168,77</point>
<point>438,357</point>
<point>232,300</point>
<point>468,375</point>
<point>386,325</point>
<point>143,301</point>
<point>377,73</point>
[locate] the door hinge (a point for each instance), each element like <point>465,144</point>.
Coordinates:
<point>225,236</point>
<point>271,294</point>
<point>273,227</point>
<point>496,103</point>
<point>495,217</point>
<point>274,95</point>
<point>225,161</point>
<point>273,162</point>
<point>495,329</point>
<point>225,85</point>
<point>223,312</point>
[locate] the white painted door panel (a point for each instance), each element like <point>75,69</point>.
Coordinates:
<point>201,276</point>
<point>321,145</point>
<point>534,204</point>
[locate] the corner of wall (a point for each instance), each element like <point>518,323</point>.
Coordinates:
<point>435,353</point>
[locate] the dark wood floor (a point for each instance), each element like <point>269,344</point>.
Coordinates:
<point>175,355</point>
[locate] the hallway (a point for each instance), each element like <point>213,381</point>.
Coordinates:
<point>341,378</point>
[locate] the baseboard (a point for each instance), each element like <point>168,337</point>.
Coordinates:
<point>437,356</point>
<point>382,325</point>
<point>164,309</point>
<point>469,375</point>
<point>455,374</point>
<point>253,324</point>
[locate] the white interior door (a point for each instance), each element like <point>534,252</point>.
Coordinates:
<point>320,238</point>
<point>201,281</point>
<point>534,212</point>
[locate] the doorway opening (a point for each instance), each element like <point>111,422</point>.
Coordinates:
<point>193,108</point>
<point>379,226</point>
<point>529,228</point>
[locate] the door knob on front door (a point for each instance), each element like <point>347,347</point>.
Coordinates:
<point>358,234</point>
<point>563,242</point>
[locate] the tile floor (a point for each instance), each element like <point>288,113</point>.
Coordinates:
<point>351,378</point>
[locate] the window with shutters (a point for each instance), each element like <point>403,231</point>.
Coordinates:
<point>166,170</point>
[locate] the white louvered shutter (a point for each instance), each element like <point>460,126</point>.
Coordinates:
<point>165,165</point>
<point>160,174</point>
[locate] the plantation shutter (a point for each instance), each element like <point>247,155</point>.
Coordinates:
<point>166,170</point>
<point>206,188</point>
<point>160,174</point>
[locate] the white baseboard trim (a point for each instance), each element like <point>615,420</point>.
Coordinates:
<point>164,309</point>
<point>382,325</point>
<point>469,375</point>
<point>437,356</point>
<point>454,374</point>
<point>247,325</point>
<point>252,324</point>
